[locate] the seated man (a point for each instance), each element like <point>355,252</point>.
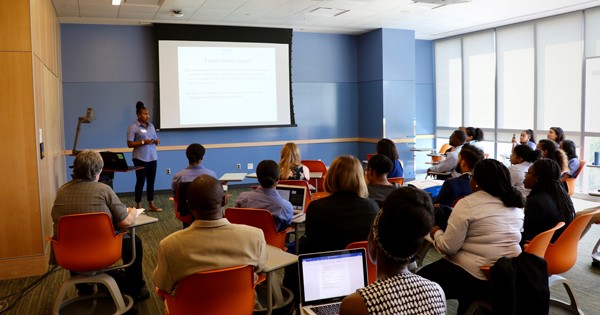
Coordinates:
<point>195,155</point>
<point>457,139</point>
<point>84,194</point>
<point>211,242</point>
<point>266,197</point>
<point>376,173</point>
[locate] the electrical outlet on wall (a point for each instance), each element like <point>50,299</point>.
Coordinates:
<point>238,166</point>
<point>168,171</point>
<point>250,166</point>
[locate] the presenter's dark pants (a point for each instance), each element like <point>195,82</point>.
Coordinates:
<point>457,283</point>
<point>147,174</point>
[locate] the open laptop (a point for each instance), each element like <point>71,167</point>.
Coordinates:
<point>296,195</point>
<point>327,278</point>
<point>115,161</point>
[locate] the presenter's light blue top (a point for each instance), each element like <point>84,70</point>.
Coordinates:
<point>136,132</point>
<point>269,199</point>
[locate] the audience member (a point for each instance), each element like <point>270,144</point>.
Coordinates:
<point>457,139</point>
<point>266,196</point>
<point>573,164</point>
<point>378,186</point>
<point>550,150</point>
<point>211,242</point>
<point>521,158</point>
<point>397,233</point>
<point>195,155</point>
<point>84,194</point>
<point>388,148</point>
<point>556,134</point>
<point>526,138</point>
<point>474,136</point>
<point>290,165</point>
<point>548,202</point>
<point>343,217</point>
<point>457,187</point>
<point>483,227</point>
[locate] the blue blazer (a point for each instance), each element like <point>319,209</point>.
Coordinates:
<point>453,189</point>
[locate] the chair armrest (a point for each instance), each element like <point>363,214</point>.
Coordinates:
<point>486,271</point>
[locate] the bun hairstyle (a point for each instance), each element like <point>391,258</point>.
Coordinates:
<point>267,172</point>
<point>139,106</point>
<point>530,133</point>
<point>401,225</point>
<point>476,134</point>
<point>527,153</point>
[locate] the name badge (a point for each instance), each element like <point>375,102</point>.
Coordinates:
<point>143,130</point>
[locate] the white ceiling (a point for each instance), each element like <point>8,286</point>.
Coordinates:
<point>429,21</point>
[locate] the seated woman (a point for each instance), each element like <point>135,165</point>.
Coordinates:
<point>398,231</point>
<point>573,164</point>
<point>388,148</point>
<point>474,136</point>
<point>343,217</point>
<point>290,165</point>
<point>521,158</point>
<point>483,227</point>
<point>550,150</point>
<point>556,134</point>
<point>526,138</point>
<point>548,202</point>
<point>376,173</point>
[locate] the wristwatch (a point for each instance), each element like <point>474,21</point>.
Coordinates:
<point>142,142</point>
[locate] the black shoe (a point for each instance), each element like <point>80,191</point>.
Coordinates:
<point>144,294</point>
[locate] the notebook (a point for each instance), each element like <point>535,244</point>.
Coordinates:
<point>326,278</point>
<point>115,161</point>
<point>296,195</point>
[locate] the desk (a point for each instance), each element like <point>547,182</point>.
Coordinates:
<point>276,259</point>
<point>595,192</point>
<point>580,204</point>
<point>108,175</point>
<point>233,177</point>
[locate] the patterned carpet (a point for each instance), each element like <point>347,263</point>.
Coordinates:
<point>40,299</point>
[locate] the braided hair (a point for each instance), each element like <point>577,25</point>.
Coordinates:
<point>548,181</point>
<point>493,177</point>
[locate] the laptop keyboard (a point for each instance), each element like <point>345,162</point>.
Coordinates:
<point>329,309</point>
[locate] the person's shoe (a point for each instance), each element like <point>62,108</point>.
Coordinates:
<point>144,294</point>
<point>155,209</point>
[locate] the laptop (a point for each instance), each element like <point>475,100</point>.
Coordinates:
<point>327,278</point>
<point>296,195</point>
<point>115,161</point>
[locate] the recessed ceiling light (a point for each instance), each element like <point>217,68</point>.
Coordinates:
<point>116,2</point>
<point>326,12</point>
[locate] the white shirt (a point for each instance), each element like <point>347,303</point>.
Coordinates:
<point>449,164</point>
<point>517,175</point>
<point>480,230</point>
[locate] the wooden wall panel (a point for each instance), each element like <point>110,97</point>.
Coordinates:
<point>20,224</point>
<point>15,26</point>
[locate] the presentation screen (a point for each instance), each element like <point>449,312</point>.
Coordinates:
<point>223,83</point>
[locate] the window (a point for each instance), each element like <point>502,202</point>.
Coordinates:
<point>479,60</point>
<point>448,81</point>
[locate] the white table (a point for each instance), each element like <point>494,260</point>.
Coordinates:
<point>276,259</point>
<point>233,177</point>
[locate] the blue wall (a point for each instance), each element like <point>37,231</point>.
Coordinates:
<point>109,68</point>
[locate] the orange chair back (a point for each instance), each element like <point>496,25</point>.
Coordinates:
<point>258,218</point>
<point>371,267</point>
<point>562,255</point>
<point>215,292</point>
<point>319,195</point>
<point>316,166</point>
<point>444,148</point>
<point>298,182</point>
<point>370,155</point>
<point>397,180</point>
<point>182,212</point>
<point>540,242</point>
<point>86,242</point>
<point>572,180</point>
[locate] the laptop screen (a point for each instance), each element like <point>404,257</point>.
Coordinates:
<point>330,276</point>
<point>294,194</point>
<point>114,160</point>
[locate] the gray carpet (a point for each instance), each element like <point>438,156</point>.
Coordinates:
<point>40,299</point>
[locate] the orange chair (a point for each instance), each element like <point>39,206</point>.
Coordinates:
<point>182,212</point>
<point>316,166</point>
<point>444,148</point>
<point>298,182</point>
<point>86,243</point>
<point>562,255</point>
<point>371,267</point>
<point>397,180</point>
<point>369,155</point>
<point>319,195</point>
<point>214,292</point>
<point>572,180</point>
<point>259,218</point>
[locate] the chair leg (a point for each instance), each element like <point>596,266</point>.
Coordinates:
<point>596,255</point>
<point>117,297</point>
<point>573,305</point>
<point>62,291</point>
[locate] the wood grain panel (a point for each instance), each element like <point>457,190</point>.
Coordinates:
<point>20,224</point>
<point>15,26</point>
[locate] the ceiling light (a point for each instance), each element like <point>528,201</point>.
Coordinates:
<point>116,2</point>
<point>177,13</point>
<point>326,12</point>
